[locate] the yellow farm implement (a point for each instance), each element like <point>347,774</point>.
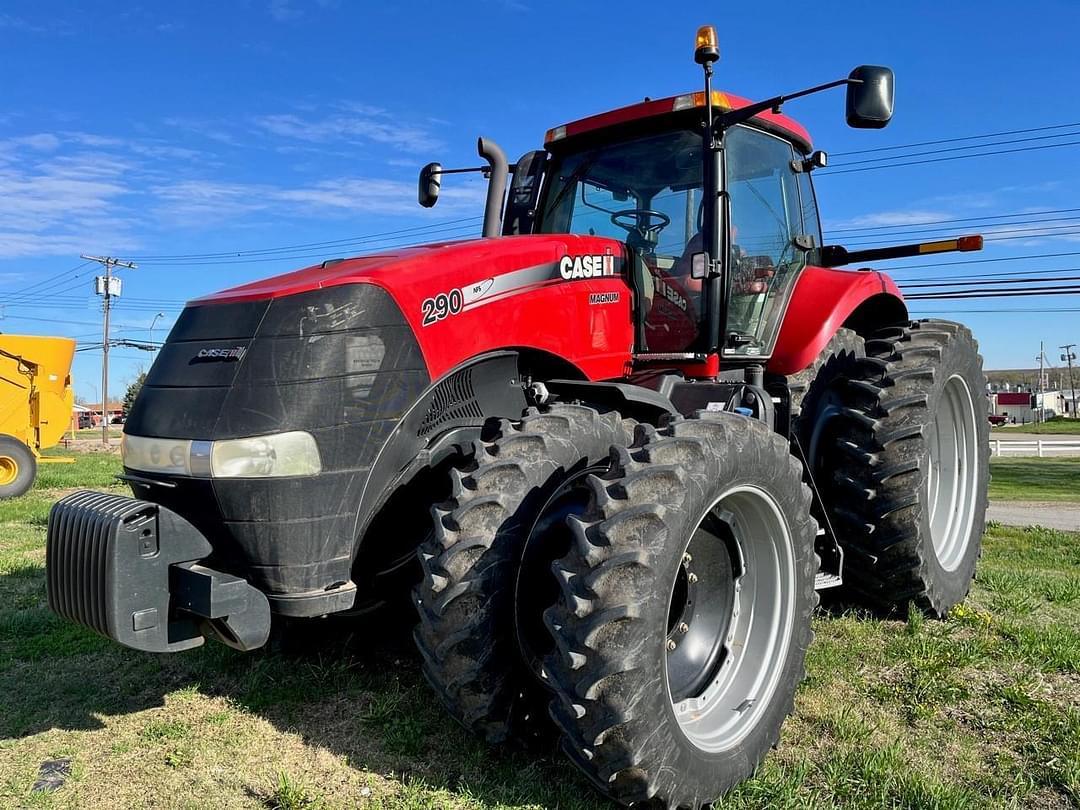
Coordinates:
<point>35,405</point>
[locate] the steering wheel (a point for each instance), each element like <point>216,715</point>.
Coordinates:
<point>642,226</point>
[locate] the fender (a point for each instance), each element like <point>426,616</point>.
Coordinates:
<point>636,401</point>
<point>823,301</point>
<point>464,397</point>
<point>445,421</point>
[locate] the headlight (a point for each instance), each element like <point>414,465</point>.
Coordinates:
<point>280,454</point>
<point>144,453</point>
<point>274,456</point>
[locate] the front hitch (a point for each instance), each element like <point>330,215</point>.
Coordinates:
<point>132,570</point>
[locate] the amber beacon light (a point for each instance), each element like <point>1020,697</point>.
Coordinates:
<point>706,47</point>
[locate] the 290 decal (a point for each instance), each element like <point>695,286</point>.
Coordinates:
<point>441,306</point>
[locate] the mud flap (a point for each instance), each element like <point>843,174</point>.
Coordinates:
<point>132,571</point>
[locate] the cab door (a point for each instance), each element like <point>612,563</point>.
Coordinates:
<point>766,254</point>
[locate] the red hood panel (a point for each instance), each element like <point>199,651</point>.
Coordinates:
<point>390,269</point>
<point>464,299</point>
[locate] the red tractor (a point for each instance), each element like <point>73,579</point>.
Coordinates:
<point>612,449</point>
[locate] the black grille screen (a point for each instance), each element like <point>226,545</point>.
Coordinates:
<point>453,400</point>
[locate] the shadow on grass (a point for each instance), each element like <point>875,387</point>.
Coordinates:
<point>352,687</point>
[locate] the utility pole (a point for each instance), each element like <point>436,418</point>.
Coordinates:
<point>1039,400</point>
<point>1068,357</point>
<point>107,287</point>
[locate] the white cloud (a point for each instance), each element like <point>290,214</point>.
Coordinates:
<point>357,124</point>
<point>54,204</point>
<point>891,218</point>
<point>18,24</point>
<point>204,202</point>
<point>283,11</point>
<point>66,192</point>
<point>205,129</point>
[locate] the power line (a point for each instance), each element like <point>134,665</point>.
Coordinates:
<point>1051,290</point>
<point>976,277</point>
<point>995,311</point>
<point>989,261</point>
<point>1070,290</point>
<point>441,224</point>
<point>957,149</point>
<point>84,303</point>
<point>909,285</point>
<point>875,240</point>
<point>956,140</point>
<point>31,290</point>
<point>51,320</point>
<point>905,225</point>
<point>898,165</point>
<point>460,231</point>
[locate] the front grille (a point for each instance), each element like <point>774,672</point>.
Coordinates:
<point>454,399</point>
<point>77,553</point>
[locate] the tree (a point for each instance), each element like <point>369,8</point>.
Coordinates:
<point>132,392</point>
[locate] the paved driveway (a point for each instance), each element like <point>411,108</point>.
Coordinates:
<point>1064,516</point>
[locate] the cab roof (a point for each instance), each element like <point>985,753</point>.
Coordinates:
<point>647,109</point>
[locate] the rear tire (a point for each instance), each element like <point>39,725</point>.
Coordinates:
<point>909,455</point>
<point>467,633</point>
<point>644,716</point>
<point>17,468</point>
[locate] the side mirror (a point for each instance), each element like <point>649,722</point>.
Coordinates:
<point>869,97</point>
<point>817,160</point>
<point>430,183</point>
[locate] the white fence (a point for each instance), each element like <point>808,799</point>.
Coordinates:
<point>1034,447</point>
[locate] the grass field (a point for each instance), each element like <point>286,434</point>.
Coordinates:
<point>978,711</point>
<point>1058,425</point>
<point>1035,479</point>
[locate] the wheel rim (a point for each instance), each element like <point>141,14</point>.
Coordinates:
<point>952,468</point>
<point>750,586</point>
<point>9,470</point>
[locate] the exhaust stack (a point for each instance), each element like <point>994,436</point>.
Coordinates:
<point>496,171</point>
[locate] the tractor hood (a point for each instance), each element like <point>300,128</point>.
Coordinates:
<point>408,266</point>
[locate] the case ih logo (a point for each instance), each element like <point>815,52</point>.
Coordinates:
<point>595,266</point>
<point>234,353</point>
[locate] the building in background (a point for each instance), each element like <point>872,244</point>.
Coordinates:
<point>90,412</point>
<point>1022,407</point>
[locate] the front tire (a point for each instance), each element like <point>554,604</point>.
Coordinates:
<point>468,633</point>
<point>684,617</point>
<point>17,468</point>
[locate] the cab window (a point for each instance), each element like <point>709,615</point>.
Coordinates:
<point>766,215</point>
<point>645,192</point>
<point>810,218</point>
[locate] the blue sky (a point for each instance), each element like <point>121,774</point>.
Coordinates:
<point>203,128</point>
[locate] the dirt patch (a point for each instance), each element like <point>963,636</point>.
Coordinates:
<point>91,446</point>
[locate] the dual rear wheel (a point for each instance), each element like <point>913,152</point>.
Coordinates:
<point>654,577</point>
<point>894,428</point>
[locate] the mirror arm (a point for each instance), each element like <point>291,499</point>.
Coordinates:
<point>484,169</point>
<point>733,117</point>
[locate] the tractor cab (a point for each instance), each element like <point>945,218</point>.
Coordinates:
<point>646,188</point>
